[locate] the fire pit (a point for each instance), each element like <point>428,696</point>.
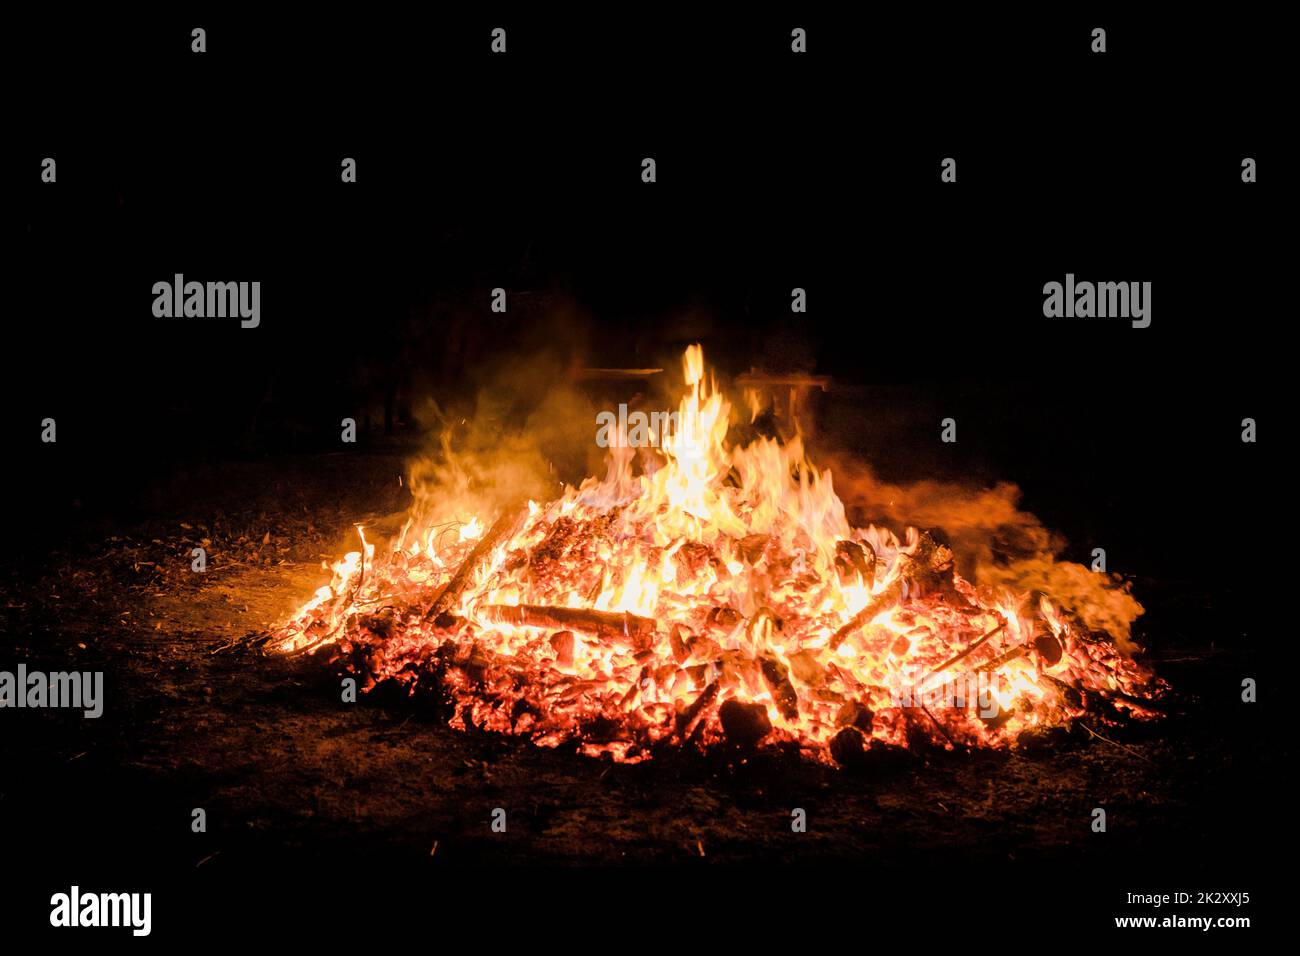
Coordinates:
<point>707,594</point>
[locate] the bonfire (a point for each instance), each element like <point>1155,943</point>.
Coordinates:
<point>703,595</point>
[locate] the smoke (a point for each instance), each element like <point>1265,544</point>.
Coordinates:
<point>996,544</point>
<point>517,426</point>
<point>1102,601</point>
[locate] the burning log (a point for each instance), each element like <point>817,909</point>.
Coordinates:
<point>1101,701</point>
<point>744,724</point>
<point>500,530</point>
<point>616,374</point>
<point>855,714</point>
<point>607,625</point>
<point>778,682</point>
<point>755,378</point>
<point>884,599</point>
<point>848,747</point>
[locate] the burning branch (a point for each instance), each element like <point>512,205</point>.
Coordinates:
<point>607,625</point>
<point>501,530</point>
<point>964,654</point>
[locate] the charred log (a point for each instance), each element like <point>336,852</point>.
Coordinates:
<point>744,724</point>
<point>606,625</point>
<point>501,530</point>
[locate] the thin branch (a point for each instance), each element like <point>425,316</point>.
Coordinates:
<point>1113,743</point>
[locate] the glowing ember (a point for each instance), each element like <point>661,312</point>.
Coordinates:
<point>716,593</point>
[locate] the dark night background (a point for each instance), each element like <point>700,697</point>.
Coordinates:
<point>774,171</point>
